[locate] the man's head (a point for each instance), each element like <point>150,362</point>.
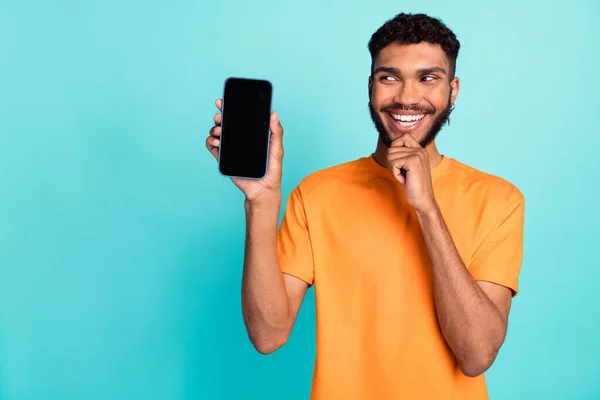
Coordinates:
<point>412,87</point>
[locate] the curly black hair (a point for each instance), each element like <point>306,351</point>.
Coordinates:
<point>414,29</point>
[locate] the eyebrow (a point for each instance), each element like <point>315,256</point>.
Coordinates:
<point>422,71</point>
<point>432,70</point>
<point>388,70</point>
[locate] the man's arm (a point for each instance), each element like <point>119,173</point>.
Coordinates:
<point>270,299</point>
<point>473,315</point>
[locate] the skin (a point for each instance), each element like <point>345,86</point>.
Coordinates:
<point>472,314</point>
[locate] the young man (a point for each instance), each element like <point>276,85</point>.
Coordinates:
<point>414,256</point>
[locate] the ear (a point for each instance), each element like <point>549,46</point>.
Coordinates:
<point>455,85</point>
<point>370,86</point>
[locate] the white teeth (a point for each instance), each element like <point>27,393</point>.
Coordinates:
<point>407,118</point>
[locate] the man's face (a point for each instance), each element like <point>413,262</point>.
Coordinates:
<point>410,92</point>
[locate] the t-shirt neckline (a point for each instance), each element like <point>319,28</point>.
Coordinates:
<point>380,170</point>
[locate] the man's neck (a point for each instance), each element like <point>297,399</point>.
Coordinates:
<point>381,151</point>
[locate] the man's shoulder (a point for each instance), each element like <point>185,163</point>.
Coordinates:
<point>485,185</point>
<point>331,178</point>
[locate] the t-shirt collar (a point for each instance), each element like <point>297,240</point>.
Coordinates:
<point>380,170</point>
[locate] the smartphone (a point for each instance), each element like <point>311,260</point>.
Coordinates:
<point>245,133</point>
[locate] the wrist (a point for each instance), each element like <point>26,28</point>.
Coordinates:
<point>264,202</point>
<point>430,211</point>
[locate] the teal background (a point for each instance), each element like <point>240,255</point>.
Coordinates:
<point>121,246</point>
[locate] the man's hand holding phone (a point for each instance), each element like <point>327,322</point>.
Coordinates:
<point>267,189</point>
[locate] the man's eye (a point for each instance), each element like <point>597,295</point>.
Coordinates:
<point>429,78</point>
<point>387,78</point>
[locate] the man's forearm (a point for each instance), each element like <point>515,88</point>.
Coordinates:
<point>264,299</point>
<point>472,325</point>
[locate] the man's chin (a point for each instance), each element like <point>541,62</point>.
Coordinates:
<point>393,134</point>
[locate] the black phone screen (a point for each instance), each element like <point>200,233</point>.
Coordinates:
<point>244,142</point>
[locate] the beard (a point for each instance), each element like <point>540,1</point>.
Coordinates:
<point>436,126</point>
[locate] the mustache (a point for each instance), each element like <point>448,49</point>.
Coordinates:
<point>410,107</point>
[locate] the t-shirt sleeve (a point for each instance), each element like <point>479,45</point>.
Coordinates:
<point>293,240</point>
<point>498,259</point>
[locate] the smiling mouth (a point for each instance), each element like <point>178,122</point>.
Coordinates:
<point>407,120</point>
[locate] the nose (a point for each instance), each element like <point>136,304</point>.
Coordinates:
<point>408,93</point>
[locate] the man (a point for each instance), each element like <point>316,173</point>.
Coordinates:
<point>414,256</point>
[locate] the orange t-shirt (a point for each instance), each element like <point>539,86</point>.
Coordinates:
<point>349,231</point>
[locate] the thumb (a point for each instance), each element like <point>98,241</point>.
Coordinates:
<point>276,131</point>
